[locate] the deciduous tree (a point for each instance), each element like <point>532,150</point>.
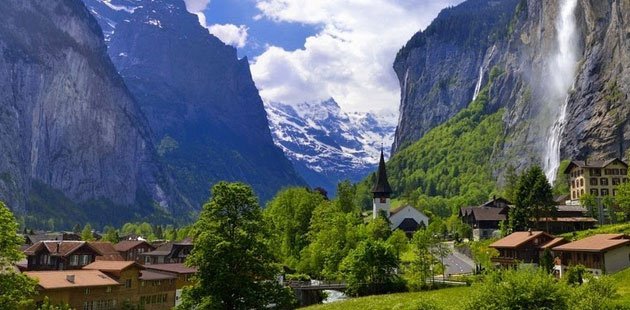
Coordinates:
<point>235,267</point>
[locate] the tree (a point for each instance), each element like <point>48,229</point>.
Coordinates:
<point>77,229</point>
<point>623,198</point>
<point>534,200</point>
<point>345,197</point>
<point>590,202</point>
<point>378,228</point>
<point>111,235</point>
<point>86,233</point>
<point>288,217</point>
<point>235,266</point>
<point>15,288</point>
<point>546,261</point>
<point>511,183</point>
<point>427,247</point>
<point>399,242</point>
<point>371,269</point>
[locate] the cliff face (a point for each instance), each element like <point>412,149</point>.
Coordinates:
<point>524,64</point>
<point>199,98</point>
<point>67,121</point>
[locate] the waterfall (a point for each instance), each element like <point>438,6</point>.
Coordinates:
<point>563,68</point>
<point>478,86</point>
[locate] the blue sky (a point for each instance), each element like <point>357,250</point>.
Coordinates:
<point>312,50</point>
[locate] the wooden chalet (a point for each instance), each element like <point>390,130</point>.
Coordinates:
<point>523,247</point>
<point>168,253</point>
<point>131,249</point>
<point>60,255</point>
<point>600,254</point>
<point>485,219</point>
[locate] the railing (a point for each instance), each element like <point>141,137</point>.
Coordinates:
<point>316,284</point>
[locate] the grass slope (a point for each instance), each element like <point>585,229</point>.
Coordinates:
<point>623,228</point>
<point>622,279</point>
<point>448,298</point>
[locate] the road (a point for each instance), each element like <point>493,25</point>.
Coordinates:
<point>457,263</point>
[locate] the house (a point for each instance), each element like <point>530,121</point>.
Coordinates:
<point>131,249</point>
<point>60,255</point>
<point>157,290</point>
<point>600,254</point>
<point>167,253</point>
<point>182,273</point>
<point>406,218</point>
<point>568,218</point>
<point>486,219</point>
<point>65,236</point>
<point>106,250</point>
<point>523,247</point>
<point>598,178</point>
<point>80,289</point>
<point>125,273</point>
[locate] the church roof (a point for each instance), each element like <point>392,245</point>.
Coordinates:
<point>382,185</point>
<point>408,225</point>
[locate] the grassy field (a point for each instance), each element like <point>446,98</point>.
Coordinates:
<point>623,228</point>
<point>448,298</point>
<point>623,286</point>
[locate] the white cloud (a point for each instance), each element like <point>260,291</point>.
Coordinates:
<point>194,6</point>
<point>350,59</point>
<point>230,34</point>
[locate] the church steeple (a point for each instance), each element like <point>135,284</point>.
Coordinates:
<point>381,188</point>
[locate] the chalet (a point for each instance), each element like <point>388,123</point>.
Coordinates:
<point>600,254</point>
<point>80,289</point>
<point>65,236</point>
<point>486,219</point>
<point>598,178</point>
<point>157,290</point>
<point>568,218</point>
<point>167,253</point>
<point>60,255</point>
<point>182,273</point>
<point>106,250</point>
<point>523,247</point>
<point>406,218</point>
<point>131,249</point>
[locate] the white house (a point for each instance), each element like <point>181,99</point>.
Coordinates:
<point>406,218</point>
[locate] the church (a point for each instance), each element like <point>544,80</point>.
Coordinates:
<point>405,218</point>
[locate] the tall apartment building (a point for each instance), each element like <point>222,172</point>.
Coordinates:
<point>598,178</point>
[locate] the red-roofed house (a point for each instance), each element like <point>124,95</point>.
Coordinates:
<point>523,247</point>
<point>600,254</point>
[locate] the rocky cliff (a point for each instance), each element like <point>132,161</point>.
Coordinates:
<point>68,124</point>
<point>558,68</point>
<point>199,98</point>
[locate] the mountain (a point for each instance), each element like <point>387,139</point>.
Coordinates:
<point>551,75</point>
<point>74,142</point>
<point>327,145</point>
<point>199,98</point>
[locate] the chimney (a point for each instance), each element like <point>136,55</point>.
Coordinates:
<point>58,247</point>
<point>529,231</point>
<point>70,278</point>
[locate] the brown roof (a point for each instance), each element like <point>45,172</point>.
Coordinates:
<point>176,268</point>
<point>126,245</point>
<point>569,208</point>
<point>515,239</point>
<point>111,265</point>
<point>107,250</point>
<point>554,242</point>
<point>60,279</point>
<point>57,248</point>
<point>569,219</point>
<point>150,275</point>
<point>596,243</point>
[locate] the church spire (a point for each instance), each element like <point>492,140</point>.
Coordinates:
<point>381,188</point>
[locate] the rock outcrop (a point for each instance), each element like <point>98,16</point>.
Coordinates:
<point>67,120</point>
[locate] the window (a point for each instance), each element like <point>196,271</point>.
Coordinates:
<point>128,283</point>
<point>604,192</point>
<point>625,180</point>
<point>74,260</point>
<point>623,172</point>
<point>607,171</point>
<point>87,291</point>
<point>603,181</point>
<point>597,172</point>
<point>109,289</point>
<point>44,259</point>
<point>383,200</point>
<point>85,259</point>
<point>593,181</point>
<point>573,195</point>
<point>581,182</point>
<point>616,181</point>
<point>581,192</point>
<point>594,192</point>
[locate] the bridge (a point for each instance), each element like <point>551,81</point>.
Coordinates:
<point>309,292</point>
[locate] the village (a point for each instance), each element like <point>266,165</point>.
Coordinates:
<point>152,275</point>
